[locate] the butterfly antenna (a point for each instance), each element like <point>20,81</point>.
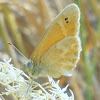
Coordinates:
<point>17,50</point>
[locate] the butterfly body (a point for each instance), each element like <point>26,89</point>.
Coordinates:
<point>59,49</point>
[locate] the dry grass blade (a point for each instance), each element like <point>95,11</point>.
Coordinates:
<point>10,18</point>
<point>6,38</point>
<point>96,7</point>
<point>89,27</point>
<point>77,90</point>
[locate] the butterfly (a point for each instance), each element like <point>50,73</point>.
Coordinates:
<point>58,51</point>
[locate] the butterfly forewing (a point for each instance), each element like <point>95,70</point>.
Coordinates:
<point>64,25</point>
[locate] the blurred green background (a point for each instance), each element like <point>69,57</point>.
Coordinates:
<point>23,22</point>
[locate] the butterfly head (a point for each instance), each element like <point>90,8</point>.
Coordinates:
<point>29,67</point>
<point>32,69</point>
<point>28,64</point>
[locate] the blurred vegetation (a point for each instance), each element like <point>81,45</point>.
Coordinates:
<point>23,22</point>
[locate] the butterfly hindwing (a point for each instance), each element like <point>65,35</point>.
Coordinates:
<point>62,57</point>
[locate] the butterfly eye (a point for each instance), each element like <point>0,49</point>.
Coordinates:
<point>29,64</point>
<point>66,19</point>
